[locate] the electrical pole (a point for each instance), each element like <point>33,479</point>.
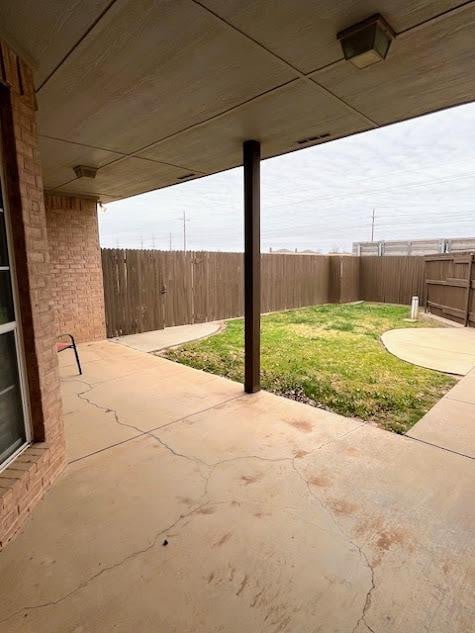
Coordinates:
<point>185,220</point>
<point>184,231</point>
<point>372,225</point>
<point>153,241</point>
<point>170,241</point>
<point>141,242</point>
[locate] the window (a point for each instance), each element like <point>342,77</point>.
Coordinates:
<point>14,431</point>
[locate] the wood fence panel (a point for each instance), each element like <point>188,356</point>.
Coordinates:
<point>350,279</point>
<point>201,289</point>
<point>132,282</point>
<point>228,296</point>
<point>344,279</point>
<point>392,279</point>
<point>149,290</point>
<point>450,283</point>
<point>177,288</point>
<point>293,281</point>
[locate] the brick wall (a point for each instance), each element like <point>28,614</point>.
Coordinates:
<point>25,480</point>
<point>78,293</point>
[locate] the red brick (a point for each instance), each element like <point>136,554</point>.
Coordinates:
<point>76,267</point>
<point>24,482</point>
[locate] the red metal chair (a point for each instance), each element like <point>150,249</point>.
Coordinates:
<point>62,345</point>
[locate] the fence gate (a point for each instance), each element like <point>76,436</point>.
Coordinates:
<point>133,291</point>
<point>450,284</point>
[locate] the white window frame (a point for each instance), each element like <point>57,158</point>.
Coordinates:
<point>15,326</point>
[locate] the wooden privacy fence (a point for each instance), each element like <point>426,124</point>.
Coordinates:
<point>149,290</point>
<point>450,281</point>
<point>392,279</point>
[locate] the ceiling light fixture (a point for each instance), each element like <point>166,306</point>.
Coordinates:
<point>84,171</point>
<point>367,42</point>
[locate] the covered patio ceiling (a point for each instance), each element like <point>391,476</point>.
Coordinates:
<point>156,92</point>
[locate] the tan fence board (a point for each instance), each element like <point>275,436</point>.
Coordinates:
<point>148,290</point>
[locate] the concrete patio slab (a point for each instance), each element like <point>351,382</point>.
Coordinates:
<point>157,340</point>
<point>450,350</point>
<point>464,390</point>
<point>250,513</point>
<point>451,422</point>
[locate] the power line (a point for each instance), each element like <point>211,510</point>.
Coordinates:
<point>352,194</point>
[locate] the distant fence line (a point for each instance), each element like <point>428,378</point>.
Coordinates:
<point>414,247</point>
<point>149,290</point>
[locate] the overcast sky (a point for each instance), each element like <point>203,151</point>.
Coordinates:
<point>418,175</point>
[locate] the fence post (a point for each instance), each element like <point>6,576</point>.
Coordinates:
<point>469,291</point>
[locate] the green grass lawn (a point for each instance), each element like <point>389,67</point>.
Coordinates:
<point>330,356</point>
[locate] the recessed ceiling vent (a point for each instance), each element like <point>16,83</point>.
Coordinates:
<point>313,139</point>
<point>83,171</point>
<point>367,42</point>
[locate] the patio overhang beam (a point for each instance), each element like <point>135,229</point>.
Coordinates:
<point>252,265</point>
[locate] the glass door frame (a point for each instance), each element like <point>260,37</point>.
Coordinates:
<point>14,326</point>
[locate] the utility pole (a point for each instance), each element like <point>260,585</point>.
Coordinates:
<point>184,230</point>
<point>141,242</point>
<point>153,241</point>
<point>170,241</point>
<point>372,225</point>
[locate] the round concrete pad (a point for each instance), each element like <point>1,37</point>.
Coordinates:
<point>450,350</point>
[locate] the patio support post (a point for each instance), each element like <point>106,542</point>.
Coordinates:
<point>252,265</point>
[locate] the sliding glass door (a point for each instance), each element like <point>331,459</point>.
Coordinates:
<point>13,421</point>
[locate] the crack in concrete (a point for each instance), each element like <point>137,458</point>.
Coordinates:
<point>111,567</point>
<point>151,433</point>
<point>212,469</point>
<point>367,602</point>
<point>355,546</point>
<point>197,460</point>
<point>191,415</point>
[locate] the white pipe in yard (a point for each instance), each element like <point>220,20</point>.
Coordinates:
<point>414,308</point>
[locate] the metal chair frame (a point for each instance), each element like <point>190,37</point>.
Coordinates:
<point>71,345</point>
